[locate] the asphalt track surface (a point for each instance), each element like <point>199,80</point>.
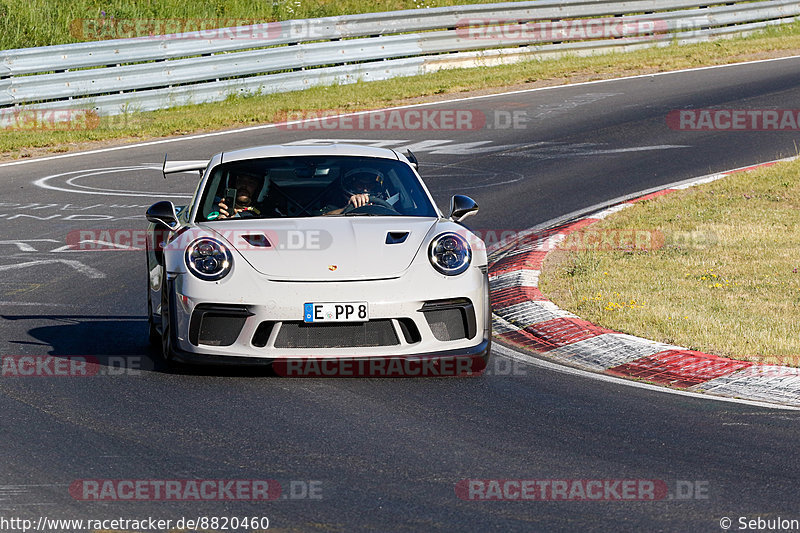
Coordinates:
<point>385,454</point>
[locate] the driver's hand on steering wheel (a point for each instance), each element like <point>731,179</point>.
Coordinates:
<point>358,200</point>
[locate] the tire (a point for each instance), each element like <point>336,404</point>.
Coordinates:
<point>166,322</point>
<point>154,336</point>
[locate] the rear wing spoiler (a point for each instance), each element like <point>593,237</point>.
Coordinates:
<point>173,167</point>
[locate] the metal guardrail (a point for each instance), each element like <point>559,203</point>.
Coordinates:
<point>147,73</point>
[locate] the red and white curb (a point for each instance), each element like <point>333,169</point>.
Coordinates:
<point>526,320</point>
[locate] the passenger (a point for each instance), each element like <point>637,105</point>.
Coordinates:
<point>247,188</point>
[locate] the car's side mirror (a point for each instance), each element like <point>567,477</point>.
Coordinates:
<point>461,207</point>
<point>163,213</point>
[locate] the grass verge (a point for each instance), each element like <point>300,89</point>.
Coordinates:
<point>247,111</point>
<point>726,280</point>
<point>48,22</point>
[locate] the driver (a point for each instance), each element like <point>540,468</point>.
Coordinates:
<point>247,187</point>
<point>360,186</point>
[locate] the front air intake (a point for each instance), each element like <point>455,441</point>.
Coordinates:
<point>217,324</point>
<point>451,319</point>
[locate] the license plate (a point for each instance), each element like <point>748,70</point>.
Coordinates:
<point>336,312</point>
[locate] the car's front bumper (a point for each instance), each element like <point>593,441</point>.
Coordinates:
<point>402,306</point>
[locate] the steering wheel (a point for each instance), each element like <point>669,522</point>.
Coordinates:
<point>374,201</point>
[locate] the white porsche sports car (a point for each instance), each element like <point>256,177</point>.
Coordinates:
<point>326,251</point>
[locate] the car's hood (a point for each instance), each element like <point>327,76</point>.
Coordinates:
<point>327,248</point>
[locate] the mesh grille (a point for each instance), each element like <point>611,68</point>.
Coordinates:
<point>217,325</point>
<point>220,330</point>
<point>342,335</point>
<point>217,330</point>
<point>446,324</point>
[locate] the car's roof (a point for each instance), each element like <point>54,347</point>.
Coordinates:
<point>329,149</point>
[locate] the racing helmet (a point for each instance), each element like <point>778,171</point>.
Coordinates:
<point>364,181</point>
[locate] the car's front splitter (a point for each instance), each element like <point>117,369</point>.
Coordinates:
<point>462,362</point>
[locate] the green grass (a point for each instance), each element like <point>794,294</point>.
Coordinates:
<point>46,22</point>
<point>246,111</point>
<point>726,281</point>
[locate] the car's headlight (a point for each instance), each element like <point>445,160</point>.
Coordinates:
<point>450,253</point>
<point>208,259</point>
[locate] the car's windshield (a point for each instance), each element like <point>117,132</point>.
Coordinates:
<point>308,186</point>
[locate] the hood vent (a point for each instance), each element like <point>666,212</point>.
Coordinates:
<point>258,239</point>
<point>396,237</point>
